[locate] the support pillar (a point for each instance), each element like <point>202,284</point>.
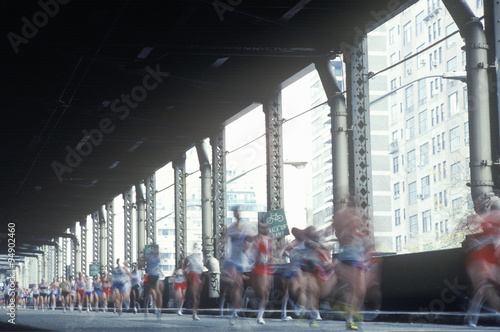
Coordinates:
<point>95,237</point>
<point>358,119</point>
<point>218,143</point>
<point>141,224</point>
<point>180,208</point>
<point>59,258</point>
<point>75,247</point>
<point>110,222</point>
<point>102,238</point>
<point>274,157</point>
<point>207,230</point>
<point>151,209</point>
<point>83,242</point>
<point>65,257</point>
<point>127,216</point>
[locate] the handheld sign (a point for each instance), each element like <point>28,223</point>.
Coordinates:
<point>276,223</point>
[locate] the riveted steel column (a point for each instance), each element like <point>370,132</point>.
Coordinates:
<point>274,157</point>
<point>180,208</point>
<point>127,216</point>
<point>64,256</point>
<point>338,114</point>
<point>102,239</point>
<point>358,119</point>
<point>74,249</point>
<point>83,245</point>
<point>151,209</point>
<point>50,263</point>
<point>141,224</point>
<point>218,143</point>
<point>58,258</point>
<point>110,221</point>
<point>95,236</point>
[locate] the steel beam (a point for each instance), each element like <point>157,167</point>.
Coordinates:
<point>83,245</point>
<point>218,143</point>
<point>274,158</point>
<point>102,239</point>
<point>95,236</point>
<point>127,219</point>
<point>65,257</point>
<point>141,224</point>
<point>151,209</point>
<point>110,223</point>
<point>180,208</point>
<point>358,119</point>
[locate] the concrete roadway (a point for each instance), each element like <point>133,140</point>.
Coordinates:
<point>28,319</point>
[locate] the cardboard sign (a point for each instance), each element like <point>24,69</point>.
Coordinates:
<point>276,224</point>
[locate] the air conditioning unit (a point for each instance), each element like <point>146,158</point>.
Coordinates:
<point>396,196</point>
<point>420,164</point>
<point>420,196</point>
<point>408,72</point>
<point>434,63</point>
<point>422,61</point>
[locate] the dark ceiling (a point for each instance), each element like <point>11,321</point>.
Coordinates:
<point>153,77</point>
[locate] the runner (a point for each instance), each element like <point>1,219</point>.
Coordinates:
<point>80,290</point>
<point>44,293</point>
<point>155,285</point>
<point>89,292</point>
<point>135,281</point>
<point>54,293</point>
<point>194,269</point>
<point>97,291</point>
<point>72,293</point>
<point>106,290</point>
<point>233,265</point>
<point>120,277</point>
<point>180,285</point>
<point>65,290</point>
<point>36,295</point>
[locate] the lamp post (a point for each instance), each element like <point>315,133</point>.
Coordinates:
<point>296,164</point>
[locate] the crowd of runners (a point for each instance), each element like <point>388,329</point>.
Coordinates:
<point>308,272</point>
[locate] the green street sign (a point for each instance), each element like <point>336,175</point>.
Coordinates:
<point>151,249</point>
<point>276,224</point>
<point>94,269</point>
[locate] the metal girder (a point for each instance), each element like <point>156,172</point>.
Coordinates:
<point>218,143</point>
<point>151,209</point>
<point>110,220</point>
<point>180,209</point>
<point>95,236</point>
<point>356,59</point>
<point>128,208</point>
<point>50,262</point>
<point>83,245</point>
<point>274,157</point>
<point>274,150</point>
<point>73,251</point>
<point>65,257</point>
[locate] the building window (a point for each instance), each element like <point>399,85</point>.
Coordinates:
<point>395,164</point>
<point>393,58</point>
<point>451,66</point>
<point>411,161</point>
<point>393,84</point>
<point>394,113</point>
<point>449,30</point>
<point>397,217</point>
<point>424,154</point>
<point>453,104</point>
<point>422,122</point>
<point>466,133</point>
<point>426,186</point>
<point>408,65</point>
<point>413,225</point>
<point>412,193</point>
<point>410,128</point>
<point>396,190</point>
<point>422,92</point>
<point>455,139</point>
<point>456,205</point>
<point>398,243</point>
<point>409,99</point>
<point>392,36</point>
<point>426,221</point>
<point>419,23</point>
<point>456,171</point>
<point>407,33</point>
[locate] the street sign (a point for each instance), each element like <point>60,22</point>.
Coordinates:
<point>276,223</point>
<point>151,249</point>
<point>94,269</point>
